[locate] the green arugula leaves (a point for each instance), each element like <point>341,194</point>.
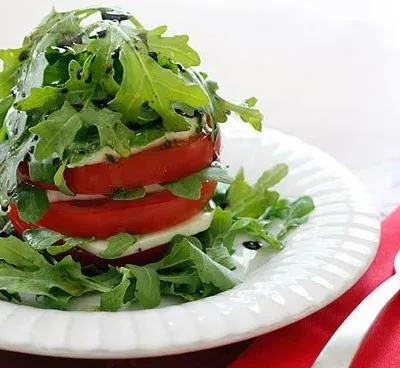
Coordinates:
<point>194,267</point>
<point>185,270</point>
<point>32,203</point>
<point>118,244</point>
<point>117,84</point>
<point>15,252</point>
<point>190,186</point>
<point>175,48</point>
<point>73,89</point>
<point>152,84</point>
<point>253,209</point>
<point>57,132</point>
<point>9,74</point>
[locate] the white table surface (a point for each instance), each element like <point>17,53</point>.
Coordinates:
<point>326,71</point>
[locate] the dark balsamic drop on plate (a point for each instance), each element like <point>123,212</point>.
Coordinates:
<point>252,245</point>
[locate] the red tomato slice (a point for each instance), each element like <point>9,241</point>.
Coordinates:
<point>85,258</point>
<point>153,166</point>
<point>103,218</point>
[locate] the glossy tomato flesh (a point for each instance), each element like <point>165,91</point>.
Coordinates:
<point>152,166</point>
<point>86,258</point>
<point>103,218</point>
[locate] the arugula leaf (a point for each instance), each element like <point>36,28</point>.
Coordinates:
<point>71,270</point>
<point>19,254</point>
<point>40,282</point>
<point>144,136</point>
<point>239,189</point>
<point>256,228</point>
<point>10,158</point>
<point>152,84</point>
<point>247,201</point>
<point>111,131</point>
<point>112,277</point>
<point>147,285</point>
<point>187,277</point>
<point>271,177</point>
<point>9,74</point>
<point>41,239</point>
<point>175,47</point>
<point>128,195</point>
<point>190,296</point>
<point>147,115</point>
<point>221,223</point>
<point>112,300</point>
<point>219,232</point>
<point>219,109</point>
<point>57,132</point>
<point>31,71</point>
<point>79,153</point>
<point>32,203</point>
<point>190,186</point>
<point>57,72</point>
<point>79,91</point>
<point>5,104</point>
<point>220,254</point>
<point>208,270</point>
<point>212,272</point>
<point>102,67</point>
<point>59,249</point>
<point>44,239</point>
<point>43,170</point>
<point>118,244</point>
<point>41,99</point>
<point>59,300</point>
<point>3,134</point>
<point>297,215</point>
<point>219,197</point>
<point>4,295</point>
<point>59,181</point>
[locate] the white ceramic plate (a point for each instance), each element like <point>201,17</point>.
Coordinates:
<point>321,261</point>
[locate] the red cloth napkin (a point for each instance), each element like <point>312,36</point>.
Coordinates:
<point>298,345</point>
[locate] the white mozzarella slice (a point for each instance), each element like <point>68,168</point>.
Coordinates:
<point>192,226</point>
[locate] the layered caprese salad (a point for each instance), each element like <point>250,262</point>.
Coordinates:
<point>110,174</point>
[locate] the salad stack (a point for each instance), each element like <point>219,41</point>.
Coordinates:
<point>109,168</point>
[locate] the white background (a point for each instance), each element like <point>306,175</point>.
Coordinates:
<point>326,71</point>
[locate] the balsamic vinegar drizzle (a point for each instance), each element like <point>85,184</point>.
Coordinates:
<point>113,15</point>
<point>252,245</point>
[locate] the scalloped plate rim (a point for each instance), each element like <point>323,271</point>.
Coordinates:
<point>105,350</point>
